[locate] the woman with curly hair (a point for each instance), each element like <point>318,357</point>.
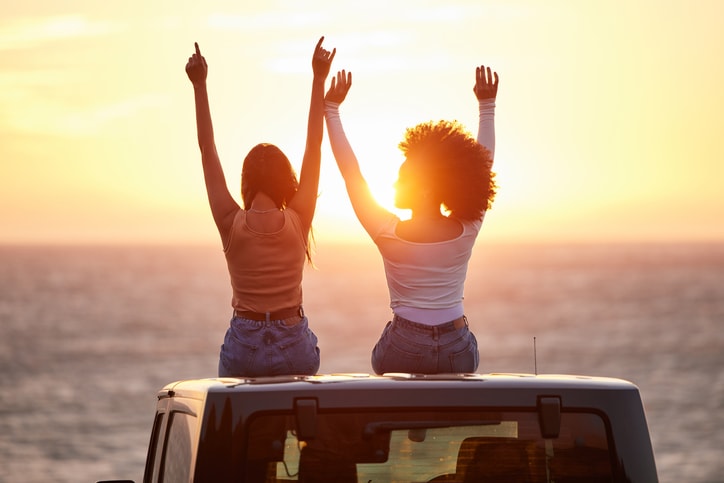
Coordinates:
<point>265,243</point>
<point>447,183</point>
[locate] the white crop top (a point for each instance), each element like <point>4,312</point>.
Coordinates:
<point>427,276</point>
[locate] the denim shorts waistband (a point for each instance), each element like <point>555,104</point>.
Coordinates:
<point>289,321</point>
<point>445,327</point>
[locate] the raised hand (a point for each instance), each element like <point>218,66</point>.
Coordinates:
<point>322,60</point>
<point>340,87</point>
<point>196,67</point>
<point>485,86</point>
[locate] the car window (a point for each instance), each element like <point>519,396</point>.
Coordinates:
<point>422,446</point>
<point>153,463</point>
<point>180,447</point>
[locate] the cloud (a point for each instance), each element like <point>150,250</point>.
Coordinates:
<point>265,21</point>
<point>62,120</point>
<point>33,32</point>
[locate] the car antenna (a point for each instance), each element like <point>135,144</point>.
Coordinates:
<point>535,358</point>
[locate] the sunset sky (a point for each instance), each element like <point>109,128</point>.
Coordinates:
<point>609,113</point>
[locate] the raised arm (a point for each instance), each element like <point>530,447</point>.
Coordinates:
<point>223,206</point>
<point>486,89</point>
<point>368,211</point>
<point>305,200</point>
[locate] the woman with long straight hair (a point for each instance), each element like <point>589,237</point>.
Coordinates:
<point>266,243</point>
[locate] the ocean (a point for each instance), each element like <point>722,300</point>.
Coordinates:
<point>89,334</point>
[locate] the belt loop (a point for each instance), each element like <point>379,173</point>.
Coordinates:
<point>435,333</point>
<point>267,318</point>
<point>301,311</point>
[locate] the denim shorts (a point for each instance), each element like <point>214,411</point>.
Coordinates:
<point>254,348</point>
<point>407,346</point>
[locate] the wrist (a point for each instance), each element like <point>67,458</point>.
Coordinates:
<point>486,107</point>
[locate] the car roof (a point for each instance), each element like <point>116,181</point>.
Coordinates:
<point>439,389</point>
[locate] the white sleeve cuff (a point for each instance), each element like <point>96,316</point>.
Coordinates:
<point>486,124</point>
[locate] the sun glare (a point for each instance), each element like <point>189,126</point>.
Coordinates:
<point>381,184</point>
<point>375,145</point>
<point>380,173</point>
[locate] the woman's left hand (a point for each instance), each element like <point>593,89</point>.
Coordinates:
<point>196,67</point>
<point>486,83</point>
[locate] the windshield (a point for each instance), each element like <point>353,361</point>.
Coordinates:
<point>422,446</point>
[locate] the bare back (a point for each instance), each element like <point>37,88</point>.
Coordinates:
<point>429,230</point>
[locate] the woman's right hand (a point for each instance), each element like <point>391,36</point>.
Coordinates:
<point>322,60</point>
<point>339,88</point>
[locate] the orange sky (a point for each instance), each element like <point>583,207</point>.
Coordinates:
<point>608,119</point>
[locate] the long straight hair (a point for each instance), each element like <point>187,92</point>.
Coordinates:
<point>267,170</point>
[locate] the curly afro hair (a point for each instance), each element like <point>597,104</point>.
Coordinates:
<point>449,162</point>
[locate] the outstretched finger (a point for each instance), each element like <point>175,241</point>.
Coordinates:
<point>318,49</point>
<point>198,51</point>
<point>485,78</point>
